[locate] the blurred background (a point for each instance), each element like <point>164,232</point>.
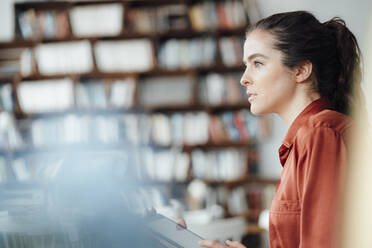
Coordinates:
<point>116,107</point>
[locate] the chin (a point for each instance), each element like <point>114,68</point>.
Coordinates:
<point>257,110</point>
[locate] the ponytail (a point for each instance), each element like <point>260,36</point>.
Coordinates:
<point>330,47</point>
<point>349,78</point>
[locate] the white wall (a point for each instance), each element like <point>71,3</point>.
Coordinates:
<point>6,20</point>
<point>354,12</point>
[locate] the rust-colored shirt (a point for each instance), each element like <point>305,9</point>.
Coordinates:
<point>313,156</point>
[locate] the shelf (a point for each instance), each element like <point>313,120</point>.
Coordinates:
<point>243,180</point>
<point>229,184</point>
<point>140,3</point>
<point>220,145</point>
<point>67,148</point>
<point>254,229</point>
<point>151,182</point>
<point>41,5</point>
<point>149,73</point>
<point>4,80</point>
<point>195,107</point>
<point>137,110</point>
<point>191,33</point>
<point>24,185</point>
<point>252,215</point>
<point>181,34</point>
<point>208,146</point>
<point>16,44</point>
<point>52,114</point>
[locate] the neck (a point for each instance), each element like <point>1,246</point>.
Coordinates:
<point>294,107</point>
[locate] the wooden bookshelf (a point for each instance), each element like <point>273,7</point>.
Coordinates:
<point>196,107</point>
<point>158,38</point>
<point>244,180</point>
<point>91,147</point>
<point>105,111</point>
<point>153,72</point>
<point>255,229</point>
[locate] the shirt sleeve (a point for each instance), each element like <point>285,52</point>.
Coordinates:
<point>322,162</point>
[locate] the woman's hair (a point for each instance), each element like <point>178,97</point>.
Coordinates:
<point>330,47</point>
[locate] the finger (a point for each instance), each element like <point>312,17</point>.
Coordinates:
<point>211,244</point>
<point>234,244</point>
<point>151,211</point>
<point>182,222</point>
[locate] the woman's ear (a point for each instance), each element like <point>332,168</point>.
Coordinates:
<point>303,71</point>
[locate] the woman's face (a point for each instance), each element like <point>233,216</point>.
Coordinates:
<point>270,85</point>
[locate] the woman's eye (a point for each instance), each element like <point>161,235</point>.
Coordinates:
<point>257,64</point>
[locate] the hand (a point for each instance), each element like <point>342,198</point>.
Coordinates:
<point>148,212</point>
<point>235,244</point>
<point>182,222</point>
<point>215,244</point>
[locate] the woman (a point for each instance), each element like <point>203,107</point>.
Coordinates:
<point>304,71</point>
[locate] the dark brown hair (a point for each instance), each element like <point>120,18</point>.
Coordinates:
<point>330,46</point>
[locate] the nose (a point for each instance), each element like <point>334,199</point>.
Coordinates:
<point>245,80</point>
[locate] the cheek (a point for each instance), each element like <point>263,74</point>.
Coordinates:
<point>267,82</point>
<point>273,88</point>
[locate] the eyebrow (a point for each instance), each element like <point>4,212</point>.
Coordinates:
<point>256,55</point>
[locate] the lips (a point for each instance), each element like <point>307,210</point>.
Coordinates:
<point>251,96</point>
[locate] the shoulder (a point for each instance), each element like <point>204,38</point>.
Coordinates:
<point>325,124</point>
<point>330,119</point>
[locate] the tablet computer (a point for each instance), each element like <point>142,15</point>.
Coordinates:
<point>172,234</point>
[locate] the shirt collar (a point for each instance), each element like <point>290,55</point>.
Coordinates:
<point>313,108</point>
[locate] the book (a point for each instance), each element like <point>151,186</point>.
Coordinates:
<point>252,10</point>
<point>181,167</point>
<point>196,128</point>
<point>164,165</point>
<point>235,93</point>
<point>238,14</point>
<point>217,130</point>
<point>46,95</point>
<point>187,53</point>
<point>239,122</point>
<point>27,24</point>
<point>171,17</point>
<point>91,94</point>
<point>221,89</point>
<point>222,18</point>
<point>122,93</point>
<point>219,165</point>
<point>215,89</point>
<point>141,20</point>
<point>124,56</point>
<point>20,171</point>
<point>177,127</point>
<point>27,62</point>
<point>9,132</point>
<point>64,58</point>
<point>62,25</point>
<point>85,130</point>
<point>6,98</point>
<point>237,202</point>
<point>43,24</point>
<point>231,49</point>
<point>97,20</point>
<point>165,91</point>
<point>9,69</point>
<point>197,18</point>
<point>228,120</point>
<point>161,130</point>
<point>3,170</point>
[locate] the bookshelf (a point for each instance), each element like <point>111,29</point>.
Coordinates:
<point>191,48</point>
